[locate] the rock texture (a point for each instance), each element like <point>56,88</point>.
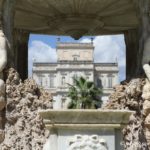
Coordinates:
<point>130,95</point>
<point>24,128</point>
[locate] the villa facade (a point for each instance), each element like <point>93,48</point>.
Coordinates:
<point>74,60</point>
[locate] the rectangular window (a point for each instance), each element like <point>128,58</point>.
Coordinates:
<point>109,81</point>
<point>75,57</point>
<point>87,77</point>
<point>46,83</point>
<point>99,83</point>
<point>75,76</point>
<point>40,80</point>
<point>63,80</point>
<point>51,81</point>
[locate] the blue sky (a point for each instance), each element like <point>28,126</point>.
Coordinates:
<point>107,49</point>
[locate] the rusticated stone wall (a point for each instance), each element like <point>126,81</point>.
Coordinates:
<point>24,128</point>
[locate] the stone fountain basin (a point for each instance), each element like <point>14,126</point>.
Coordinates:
<point>75,117</point>
<point>67,124</point>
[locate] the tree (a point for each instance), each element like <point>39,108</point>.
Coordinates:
<point>84,94</point>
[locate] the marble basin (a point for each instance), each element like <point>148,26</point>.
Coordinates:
<point>85,126</point>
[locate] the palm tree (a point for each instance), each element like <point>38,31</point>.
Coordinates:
<point>84,94</point>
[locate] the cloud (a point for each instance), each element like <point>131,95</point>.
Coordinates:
<point>40,52</point>
<point>108,49</point>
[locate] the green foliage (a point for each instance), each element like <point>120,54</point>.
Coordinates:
<point>84,94</point>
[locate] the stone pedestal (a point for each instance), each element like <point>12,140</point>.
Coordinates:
<point>84,129</point>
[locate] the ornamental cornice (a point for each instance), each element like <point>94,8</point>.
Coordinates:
<point>75,69</point>
<point>44,71</point>
<point>74,47</point>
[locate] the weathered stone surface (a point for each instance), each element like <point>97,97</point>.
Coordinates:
<point>2,136</point>
<point>146,104</point>
<point>147,134</point>
<point>146,107</point>
<point>147,120</point>
<point>2,102</point>
<point>128,95</point>
<point>146,92</point>
<point>24,128</point>
<point>2,95</point>
<point>75,116</point>
<point>72,17</point>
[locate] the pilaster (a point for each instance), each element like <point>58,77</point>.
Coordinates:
<point>21,52</point>
<point>8,26</point>
<point>133,54</point>
<point>144,43</point>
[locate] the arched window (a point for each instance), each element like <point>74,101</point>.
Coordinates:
<point>75,57</point>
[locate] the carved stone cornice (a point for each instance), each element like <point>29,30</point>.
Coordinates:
<point>66,45</point>
<point>76,18</point>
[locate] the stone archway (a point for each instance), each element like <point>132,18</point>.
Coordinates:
<point>19,18</point>
<point>75,18</point>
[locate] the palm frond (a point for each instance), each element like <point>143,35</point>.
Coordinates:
<point>84,94</point>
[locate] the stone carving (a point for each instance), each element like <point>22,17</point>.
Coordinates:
<point>2,106</point>
<point>2,95</point>
<point>146,104</point>
<point>85,142</point>
<point>3,60</point>
<point>3,51</point>
<point>146,68</point>
<point>24,128</point>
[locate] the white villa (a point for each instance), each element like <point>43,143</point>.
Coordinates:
<point>74,60</point>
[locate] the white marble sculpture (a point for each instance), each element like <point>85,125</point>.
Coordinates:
<point>3,61</point>
<point>2,95</point>
<point>86,142</point>
<point>146,88</point>
<point>3,51</point>
<point>146,104</point>
<point>146,68</point>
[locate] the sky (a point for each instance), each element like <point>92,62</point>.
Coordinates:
<point>110,48</point>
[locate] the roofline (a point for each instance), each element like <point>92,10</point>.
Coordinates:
<point>74,45</point>
<point>72,62</point>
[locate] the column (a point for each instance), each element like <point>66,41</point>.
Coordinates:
<point>21,52</point>
<point>8,26</point>
<point>144,43</point>
<point>138,42</point>
<point>133,54</point>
